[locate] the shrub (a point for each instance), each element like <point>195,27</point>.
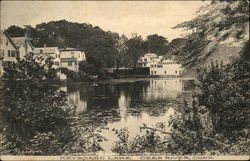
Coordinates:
<point>224,90</point>
<point>31,103</point>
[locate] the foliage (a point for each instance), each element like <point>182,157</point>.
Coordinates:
<point>121,49</point>
<point>76,76</point>
<point>36,114</point>
<point>93,67</point>
<point>137,71</point>
<point>135,48</point>
<point>30,99</point>
<point>15,31</point>
<point>218,22</point>
<point>224,90</point>
<point>157,44</point>
<point>144,143</point>
<point>95,42</point>
<point>31,103</point>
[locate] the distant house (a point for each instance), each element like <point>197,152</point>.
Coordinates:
<point>158,65</point>
<point>166,67</point>
<point>23,45</point>
<point>148,59</point>
<point>71,57</point>
<point>8,51</point>
<point>49,52</point>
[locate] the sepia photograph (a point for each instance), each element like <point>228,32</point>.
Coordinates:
<point>124,80</point>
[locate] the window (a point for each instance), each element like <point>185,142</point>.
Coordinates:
<point>57,63</point>
<point>41,51</point>
<point>2,52</point>
<point>9,54</point>
<point>72,54</point>
<point>152,72</point>
<point>165,72</point>
<point>145,59</point>
<point>7,63</point>
<point>155,72</point>
<point>7,43</point>
<point>13,53</point>
<point>152,66</point>
<point>159,66</point>
<point>69,63</point>
<point>176,72</point>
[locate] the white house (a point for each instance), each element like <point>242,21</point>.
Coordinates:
<point>8,51</point>
<point>158,65</point>
<point>71,57</point>
<point>166,68</point>
<point>52,52</point>
<point>148,59</point>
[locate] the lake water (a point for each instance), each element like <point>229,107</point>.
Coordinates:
<point>127,103</point>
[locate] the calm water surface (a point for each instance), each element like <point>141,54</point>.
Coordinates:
<point>128,103</point>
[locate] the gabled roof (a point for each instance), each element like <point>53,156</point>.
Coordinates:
<point>19,41</point>
<point>9,38</point>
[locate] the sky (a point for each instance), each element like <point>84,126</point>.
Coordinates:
<point>123,17</point>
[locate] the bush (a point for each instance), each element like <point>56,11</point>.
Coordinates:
<point>224,90</point>
<point>31,103</point>
<point>137,71</point>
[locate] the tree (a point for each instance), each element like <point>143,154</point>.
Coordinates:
<point>16,31</point>
<point>135,48</point>
<point>157,44</point>
<point>31,103</point>
<point>121,49</point>
<point>217,22</point>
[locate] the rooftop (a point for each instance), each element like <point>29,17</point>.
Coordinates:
<point>18,41</point>
<point>70,49</point>
<point>48,50</point>
<point>151,55</point>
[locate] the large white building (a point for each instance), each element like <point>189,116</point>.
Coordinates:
<point>71,57</point>
<point>158,65</point>
<point>49,52</point>
<point>166,67</point>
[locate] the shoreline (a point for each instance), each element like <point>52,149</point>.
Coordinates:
<point>129,79</point>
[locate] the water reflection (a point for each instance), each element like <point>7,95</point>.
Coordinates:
<point>163,89</point>
<point>125,104</point>
<point>123,95</point>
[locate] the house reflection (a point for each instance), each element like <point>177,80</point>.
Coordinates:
<point>75,100</point>
<point>162,89</point>
<point>121,96</point>
<point>123,104</point>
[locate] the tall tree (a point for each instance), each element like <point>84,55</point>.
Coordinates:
<point>135,48</point>
<point>157,44</point>
<point>121,49</point>
<point>16,31</point>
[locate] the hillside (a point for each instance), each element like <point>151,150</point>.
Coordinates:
<point>93,40</point>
